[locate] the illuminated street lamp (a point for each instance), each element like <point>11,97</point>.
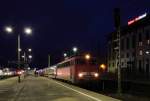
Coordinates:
<point>65,54</point>
<point>75,49</point>
<point>103,66</point>
<point>8,29</point>
<point>87,56</point>
<point>28,31</point>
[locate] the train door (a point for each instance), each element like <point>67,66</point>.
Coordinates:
<point>72,71</point>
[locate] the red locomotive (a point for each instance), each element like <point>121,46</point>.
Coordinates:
<point>78,69</point>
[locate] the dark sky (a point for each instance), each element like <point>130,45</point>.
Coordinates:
<point>61,24</point>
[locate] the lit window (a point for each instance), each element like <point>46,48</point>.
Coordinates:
<point>140,43</point>
<point>127,55</point>
<point>141,52</point>
<point>148,42</point>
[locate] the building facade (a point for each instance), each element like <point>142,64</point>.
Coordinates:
<point>134,46</point>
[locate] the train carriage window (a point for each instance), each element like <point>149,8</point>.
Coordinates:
<point>71,62</point>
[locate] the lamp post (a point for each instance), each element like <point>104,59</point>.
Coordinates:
<point>65,54</point>
<point>24,56</point>
<point>27,31</point>
<point>75,49</point>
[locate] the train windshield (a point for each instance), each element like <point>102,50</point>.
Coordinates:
<point>93,62</point>
<point>80,61</point>
<point>83,61</point>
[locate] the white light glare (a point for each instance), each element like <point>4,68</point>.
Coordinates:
<point>8,29</point>
<point>65,54</point>
<point>28,30</point>
<point>75,49</point>
<point>30,50</point>
<point>30,56</point>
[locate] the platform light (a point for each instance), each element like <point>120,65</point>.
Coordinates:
<point>65,54</point>
<point>28,30</point>
<point>87,56</point>
<point>103,66</point>
<point>8,29</point>
<point>75,49</point>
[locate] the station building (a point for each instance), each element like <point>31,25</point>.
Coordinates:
<point>134,46</point>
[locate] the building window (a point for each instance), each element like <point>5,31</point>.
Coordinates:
<point>113,64</point>
<point>122,55</point>
<point>127,55</point>
<point>140,66</point>
<point>127,43</point>
<point>147,35</point>
<point>133,54</point>
<point>140,37</point>
<point>140,52</point>
<point>147,66</point>
<point>148,42</point>
<point>140,43</point>
<point>122,63</point>
<point>122,44</point>
<point>109,65</point>
<point>133,41</point>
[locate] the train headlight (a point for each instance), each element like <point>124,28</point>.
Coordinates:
<point>96,74</point>
<point>80,75</point>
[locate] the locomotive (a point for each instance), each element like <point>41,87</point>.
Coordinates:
<point>77,69</point>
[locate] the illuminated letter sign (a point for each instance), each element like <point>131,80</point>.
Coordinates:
<point>137,19</point>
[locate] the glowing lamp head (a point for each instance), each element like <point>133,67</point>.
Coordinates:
<point>96,74</point>
<point>80,75</point>
<point>28,31</point>
<point>29,49</point>
<point>87,56</point>
<point>65,54</point>
<point>75,49</point>
<point>9,29</point>
<point>103,66</point>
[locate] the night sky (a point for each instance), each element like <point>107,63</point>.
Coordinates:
<point>58,25</point>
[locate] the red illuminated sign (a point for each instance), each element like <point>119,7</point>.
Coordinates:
<point>137,18</point>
